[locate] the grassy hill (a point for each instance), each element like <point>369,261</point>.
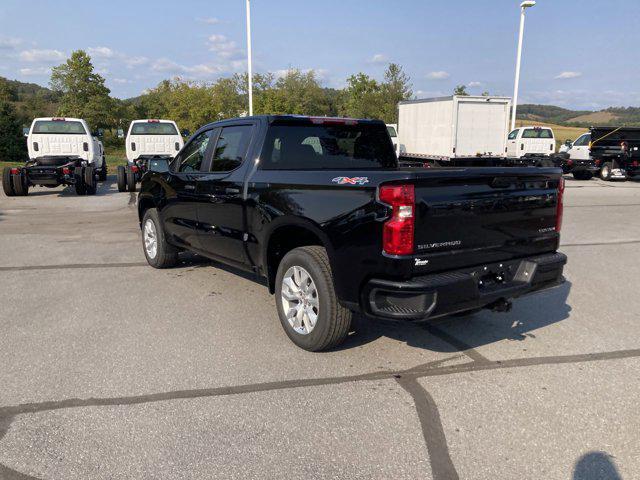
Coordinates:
<point>628,116</point>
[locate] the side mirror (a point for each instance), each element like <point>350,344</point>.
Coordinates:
<point>98,133</point>
<point>120,133</point>
<point>186,133</point>
<point>568,143</point>
<point>25,131</point>
<point>159,165</point>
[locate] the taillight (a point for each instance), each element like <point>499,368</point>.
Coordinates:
<point>598,162</point>
<point>397,234</point>
<point>177,147</point>
<point>133,146</point>
<point>66,171</point>
<point>333,121</point>
<point>85,146</point>
<point>15,171</point>
<point>35,146</point>
<point>134,168</point>
<point>560,205</point>
<point>551,147</point>
<point>569,162</point>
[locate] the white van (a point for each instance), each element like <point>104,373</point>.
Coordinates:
<point>530,141</point>
<point>66,138</point>
<point>153,138</point>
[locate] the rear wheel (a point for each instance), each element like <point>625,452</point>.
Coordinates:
<point>307,305</point>
<point>605,171</point>
<point>7,184</point>
<point>102,174</point>
<point>78,175</point>
<point>121,178</point>
<point>131,179</point>
<point>158,252</point>
<point>90,180</point>
<point>19,182</point>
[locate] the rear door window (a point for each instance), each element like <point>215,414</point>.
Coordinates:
<point>537,133</point>
<point>231,148</point>
<point>153,128</point>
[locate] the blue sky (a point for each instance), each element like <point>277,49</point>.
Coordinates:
<point>577,54</point>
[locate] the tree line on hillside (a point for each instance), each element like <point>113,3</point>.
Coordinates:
<point>77,90</point>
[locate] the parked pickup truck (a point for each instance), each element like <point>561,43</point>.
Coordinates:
<point>616,151</point>
<point>319,208</point>
<point>62,151</point>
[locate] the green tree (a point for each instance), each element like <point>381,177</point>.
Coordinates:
<point>83,92</point>
<point>362,98</point>
<point>396,88</point>
<point>13,147</point>
<point>460,90</point>
<point>296,92</point>
<point>485,93</point>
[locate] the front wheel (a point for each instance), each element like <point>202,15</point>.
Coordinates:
<point>307,305</point>
<point>158,252</point>
<point>7,184</point>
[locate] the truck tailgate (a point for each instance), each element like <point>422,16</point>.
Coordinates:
<point>484,215</point>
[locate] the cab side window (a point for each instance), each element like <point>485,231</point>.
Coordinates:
<point>192,156</point>
<point>513,134</point>
<point>582,141</point>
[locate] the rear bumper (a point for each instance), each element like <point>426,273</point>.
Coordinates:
<point>441,294</point>
<point>49,175</point>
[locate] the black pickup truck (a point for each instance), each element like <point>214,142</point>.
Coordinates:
<point>616,151</point>
<point>320,209</point>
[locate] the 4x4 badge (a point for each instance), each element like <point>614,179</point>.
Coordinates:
<point>351,180</point>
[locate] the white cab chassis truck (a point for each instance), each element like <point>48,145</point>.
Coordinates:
<point>531,141</point>
<point>149,143</point>
<point>62,151</point>
<point>392,129</point>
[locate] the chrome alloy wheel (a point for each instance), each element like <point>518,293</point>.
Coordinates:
<point>150,236</point>
<point>300,300</point>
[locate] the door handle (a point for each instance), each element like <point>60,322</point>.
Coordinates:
<point>189,187</point>
<point>232,190</point>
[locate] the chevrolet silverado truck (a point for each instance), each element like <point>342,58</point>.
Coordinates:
<point>320,209</point>
<point>62,151</point>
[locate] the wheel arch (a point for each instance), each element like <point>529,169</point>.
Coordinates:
<point>285,235</point>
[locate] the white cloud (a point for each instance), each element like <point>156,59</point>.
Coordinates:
<point>379,58</point>
<point>223,47</point>
<point>134,61</point>
<point>208,20</point>
<point>121,81</point>
<point>474,84</point>
<point>9,43</point>
<point>200,71</point>
<point>44,56</point>
<point>35,71</point>
<point>439,75</point>
<point>565,75</point>
<point>101,52</point>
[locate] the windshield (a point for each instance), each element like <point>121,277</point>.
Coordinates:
<point>61,127</point>
<point>392,132</point>
<point>327,147</point>
<point>153,128</point>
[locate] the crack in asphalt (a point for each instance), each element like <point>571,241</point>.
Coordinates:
<point>433,431</point>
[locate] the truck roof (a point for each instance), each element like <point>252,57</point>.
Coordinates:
<point>301,118</point>
<point>63,119</point>
<point>451,97</point>
<point>153,119</point>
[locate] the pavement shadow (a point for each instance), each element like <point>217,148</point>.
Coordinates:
<point>485,327</point>
<point>596,466</point>
<point>108,187</point>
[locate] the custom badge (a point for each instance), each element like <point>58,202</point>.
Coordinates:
<point>351,180</point>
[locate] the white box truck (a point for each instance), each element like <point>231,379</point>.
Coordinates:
<point>440,130</point>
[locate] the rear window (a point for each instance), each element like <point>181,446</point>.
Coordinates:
<point>392,132</point>
<point>537,133</point>
<point>153,128</point>
<point>327,147</point>
<point>62,127</point>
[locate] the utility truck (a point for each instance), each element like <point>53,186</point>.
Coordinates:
<point>62,151</point>
<point>148,139</point>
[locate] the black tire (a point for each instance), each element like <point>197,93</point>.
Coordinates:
<point>131,180</point>
<point>102,174</point>
<point>605,171</point>
<point>166,254</point>
<point>121,178</point>
<point>7,184</point>
<point>20,185</point>
<point>333,320</point>
<point>90,181</point>
<point>583,175</point>
<point>78,175</point>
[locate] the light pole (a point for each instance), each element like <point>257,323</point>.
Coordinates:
<point>250,74</point>
<point>523,6</point>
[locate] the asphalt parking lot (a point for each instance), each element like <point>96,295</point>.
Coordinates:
<point>111,369</point>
